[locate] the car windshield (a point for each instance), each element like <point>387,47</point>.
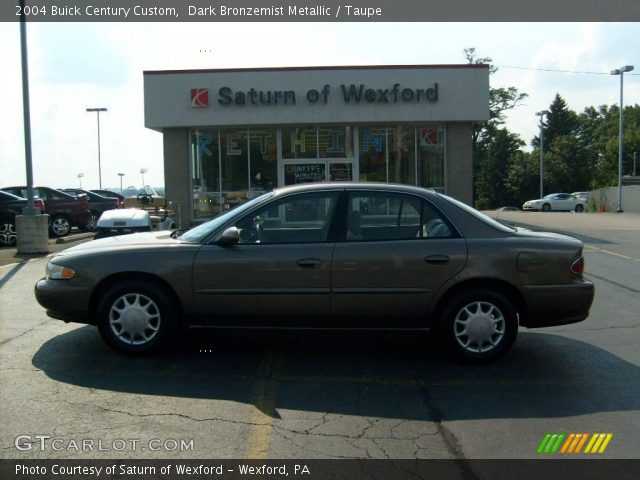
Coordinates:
<point>551,195</point>
<point>199,233</point>
<point>479,215</point>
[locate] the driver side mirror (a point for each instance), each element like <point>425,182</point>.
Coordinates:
<point>230,236</point>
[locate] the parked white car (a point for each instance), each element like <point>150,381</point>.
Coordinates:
<point>557,202</point>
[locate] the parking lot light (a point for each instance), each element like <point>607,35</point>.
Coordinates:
<point>541,114</point>
<point>98,110</point>
<point>620,71</point>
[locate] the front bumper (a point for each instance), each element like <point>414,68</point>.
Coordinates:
<point>551,305</point>
<point>64,301</point>
<point>530,207</point>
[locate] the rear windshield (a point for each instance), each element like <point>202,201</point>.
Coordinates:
<point>479,215</point>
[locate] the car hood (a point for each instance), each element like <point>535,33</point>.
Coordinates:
<point>133,241</point>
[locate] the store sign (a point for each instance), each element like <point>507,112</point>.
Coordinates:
<point>199,97</point>
<point>304,173</point>
<point>349,94</point>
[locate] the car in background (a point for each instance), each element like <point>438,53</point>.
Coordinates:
<point>97,205</point>
<point>145,197</point>
<point>10,206</point>
<point>65,211</point>
<point>110,194</point>
<point>582,195</point>
<point>557,202</point>
<point>326,256</point>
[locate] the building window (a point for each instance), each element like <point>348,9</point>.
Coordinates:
<point>205,169</point>
<point>230,166</point>
<point>431,157</point>
<point>299,142</point>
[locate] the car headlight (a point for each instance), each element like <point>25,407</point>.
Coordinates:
<point>58,272</point>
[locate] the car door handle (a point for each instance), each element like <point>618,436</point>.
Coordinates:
<point>436,259</point>
<point>310,263</point>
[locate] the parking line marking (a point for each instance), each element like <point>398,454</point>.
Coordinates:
<point>611,253</point>
<point>264,406</point>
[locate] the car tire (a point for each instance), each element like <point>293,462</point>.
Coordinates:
<point>8,236</point>
<point>479,325</point>
<point>546,207</point>
<point>136,317</point>
<point>60,226</point>
<point>92,224</point>
<point>579,208</point>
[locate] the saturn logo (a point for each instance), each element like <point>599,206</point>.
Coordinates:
<point>199,97</point>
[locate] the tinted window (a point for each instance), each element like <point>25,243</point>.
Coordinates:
<point>293,219</point>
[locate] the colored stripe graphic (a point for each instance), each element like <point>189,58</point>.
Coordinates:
<point>572,443</point>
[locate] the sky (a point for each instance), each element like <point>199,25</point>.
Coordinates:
<point>73,66</point>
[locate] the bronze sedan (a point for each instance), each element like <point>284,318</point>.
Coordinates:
<point>326,256</point>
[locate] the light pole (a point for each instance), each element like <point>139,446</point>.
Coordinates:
<point>142,172</point>
<point>620,71</point>
<point>98,110</point>
<point>121,175</point>
<point>80,175</point>
<point>541,114</point>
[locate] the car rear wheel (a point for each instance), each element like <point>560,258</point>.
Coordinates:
<point>8,235</point>
<point>136,317</point>
<point>546,207</point>
<point>480,325</point>
<point>579,208</point>
<point>92,224</point>
<point>60,226</point>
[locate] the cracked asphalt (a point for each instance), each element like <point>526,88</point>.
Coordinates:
<point>273,395</point>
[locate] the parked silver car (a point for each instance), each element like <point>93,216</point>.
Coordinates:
<point>326,256</point>
<point>557,202</point>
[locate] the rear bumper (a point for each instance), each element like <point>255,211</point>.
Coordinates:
<point>63,301</point>
<point>551,305</point>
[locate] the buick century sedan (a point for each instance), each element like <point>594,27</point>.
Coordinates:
<point>326,256</point>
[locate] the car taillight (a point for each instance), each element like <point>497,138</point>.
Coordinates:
<point>85,205</point>
<point>117,202</point>
<point>577,266</point>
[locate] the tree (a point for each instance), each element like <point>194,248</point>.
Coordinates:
<point>492,146</point>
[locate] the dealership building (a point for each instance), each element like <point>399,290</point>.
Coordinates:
<point>229,135</point>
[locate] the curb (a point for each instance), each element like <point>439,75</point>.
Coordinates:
<point>74,238</point>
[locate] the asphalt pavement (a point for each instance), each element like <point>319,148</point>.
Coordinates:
<point>329,395</point>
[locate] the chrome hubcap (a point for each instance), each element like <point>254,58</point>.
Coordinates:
<point>7,234</point>
<point>60,226</point>
<point>134,319</point>
<point>93,223</point>
<point>479,327</point>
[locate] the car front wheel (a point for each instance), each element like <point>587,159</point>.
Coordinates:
<point>579,208</point>
<point>546,207</point>
<point>136,317</point>
<point>480,325</point>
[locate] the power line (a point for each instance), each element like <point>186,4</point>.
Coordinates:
<point>558,71</point>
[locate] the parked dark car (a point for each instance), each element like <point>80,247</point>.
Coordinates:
<point>326,255</point>
<point>97,205</point>
<point>65,211</point>
<point>10,206</point>
<point>110,194</point>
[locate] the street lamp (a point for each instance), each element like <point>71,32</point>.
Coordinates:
<point>121,175</point>
<point>620,71</point>
<point>80,175</point>
<point>98,110</point>
<point>541,114</point>
<point>142,172</point>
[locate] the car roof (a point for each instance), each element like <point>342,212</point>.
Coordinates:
<point>386,187</point>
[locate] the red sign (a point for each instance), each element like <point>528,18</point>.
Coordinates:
<point>199,97</point>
